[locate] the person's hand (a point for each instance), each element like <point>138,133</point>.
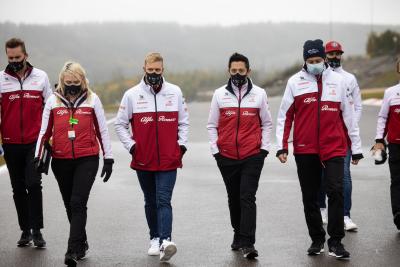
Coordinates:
<point>378,146</point>
<point>283,157</point>
<point>355,158</point>
<point>217,156</point>
<point>107,169</point>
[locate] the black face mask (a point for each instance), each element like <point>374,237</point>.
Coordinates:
<point>72,90</point>
<point>16,66</point>
<point>153,78</point>
<point>238,80</point>
<point>334,62</point>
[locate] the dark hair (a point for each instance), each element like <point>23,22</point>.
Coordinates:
<point>239,57</point>
<point>15,42</point>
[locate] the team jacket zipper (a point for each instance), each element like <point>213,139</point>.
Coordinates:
<point>319,85</point>
<point>157,144</point>
<point>72,110</point>
<point>238,123</point>
<point>21,109</point>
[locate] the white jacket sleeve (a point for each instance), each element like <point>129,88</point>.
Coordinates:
<point>122,121</point>
<point>266,123</point>
<point>356,94</point>
<point>212,125</point>
<point>183,121</point>
<point>47,89</point>
<point>350,123</point>
<point>285,119</point>
<point>46,128</point>
<point>382,117</point>
<point>102,128</point>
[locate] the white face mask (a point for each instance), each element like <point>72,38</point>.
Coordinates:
<point>315,69</point>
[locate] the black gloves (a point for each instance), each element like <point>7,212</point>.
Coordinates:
<point>281,151</point>
<point>357,156</point>
<point>183,150</point>
<point>37,166</point>
<point>107,169</point>
<point>217,156</point>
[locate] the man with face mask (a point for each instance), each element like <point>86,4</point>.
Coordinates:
<point>23,91</point>
<point>334,53</point>
<point>239,129</point>
<point>315,102</point>
<point>157,113</point>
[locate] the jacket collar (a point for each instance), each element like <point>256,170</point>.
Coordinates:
<point>13,74</point>
<point>230,88</point>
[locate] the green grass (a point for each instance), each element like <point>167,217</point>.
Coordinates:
<point>373,94</point>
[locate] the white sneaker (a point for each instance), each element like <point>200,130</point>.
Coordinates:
<point>349,225</point>
<point>154,249</point>
<point>167,250</point>
<point>324,215</point>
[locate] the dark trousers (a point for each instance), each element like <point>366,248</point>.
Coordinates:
<point>394,167</point>
<point>241,181</point>
<point>347,186</point>
<point>26,184</point>
<point>157,187</point>
<point>309,170</point>
<point>75,178</point>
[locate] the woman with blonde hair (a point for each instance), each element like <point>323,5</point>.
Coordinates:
<point>74,118</point>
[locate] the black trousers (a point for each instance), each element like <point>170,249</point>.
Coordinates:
<point>26,184</point>
<point>75,178</point>
<point>394,167</point>
<point>309,168</point>
<point>241,181</point>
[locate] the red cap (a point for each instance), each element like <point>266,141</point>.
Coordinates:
<point>333,46</point>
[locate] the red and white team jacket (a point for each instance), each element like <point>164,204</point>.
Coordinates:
<point>239,123</point>
<point>353,92</point>
<point>389,116</point>
<point>322,115</point>
<point>22,102</point>
<point>159,123</point>
<point>91,127</point>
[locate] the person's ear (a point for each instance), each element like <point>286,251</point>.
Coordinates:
<point>144,69</point>
<point>248,71</point>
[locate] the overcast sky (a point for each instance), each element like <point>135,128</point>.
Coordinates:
<point>201,12</point>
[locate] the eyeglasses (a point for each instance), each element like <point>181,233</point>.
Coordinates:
<point>235,71</point>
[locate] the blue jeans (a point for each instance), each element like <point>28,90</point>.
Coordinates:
<point>347,187</point>
<point>157,187</point>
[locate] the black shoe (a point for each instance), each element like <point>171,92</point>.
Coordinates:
<point>26,238</point>
<point>396,220</point>
<point>337,250</point>
<point>81,255</point>
<point>316,248</point>
<point>250,252</point>
<point>71,259</point>
<point>235,246</point>
<point>38,240</point>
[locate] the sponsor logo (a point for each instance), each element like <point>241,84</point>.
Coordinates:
<point>313,51</point>
<point>34,83</point>
<point>302,83</point>
<point>163,118</point>
<point>247,113</point>
<point>6,84</point>
<point>230,113</point>
<point>332,92</point>
<point>28,95</point>
<point>146,120</point>
<point>62,112</point>
<point>327,108</point>
<point>309,100</point>
<point>169,103</point>
<point>81,112</point>
<point>397,110</point>
<point>13,97</point>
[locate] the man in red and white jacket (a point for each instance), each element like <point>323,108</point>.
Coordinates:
<point>388,127</point>
<point>239,128</point>
<point>315,102</point>
<point>158,116</point>
<point>23,92</point>
<point>334,53</point>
